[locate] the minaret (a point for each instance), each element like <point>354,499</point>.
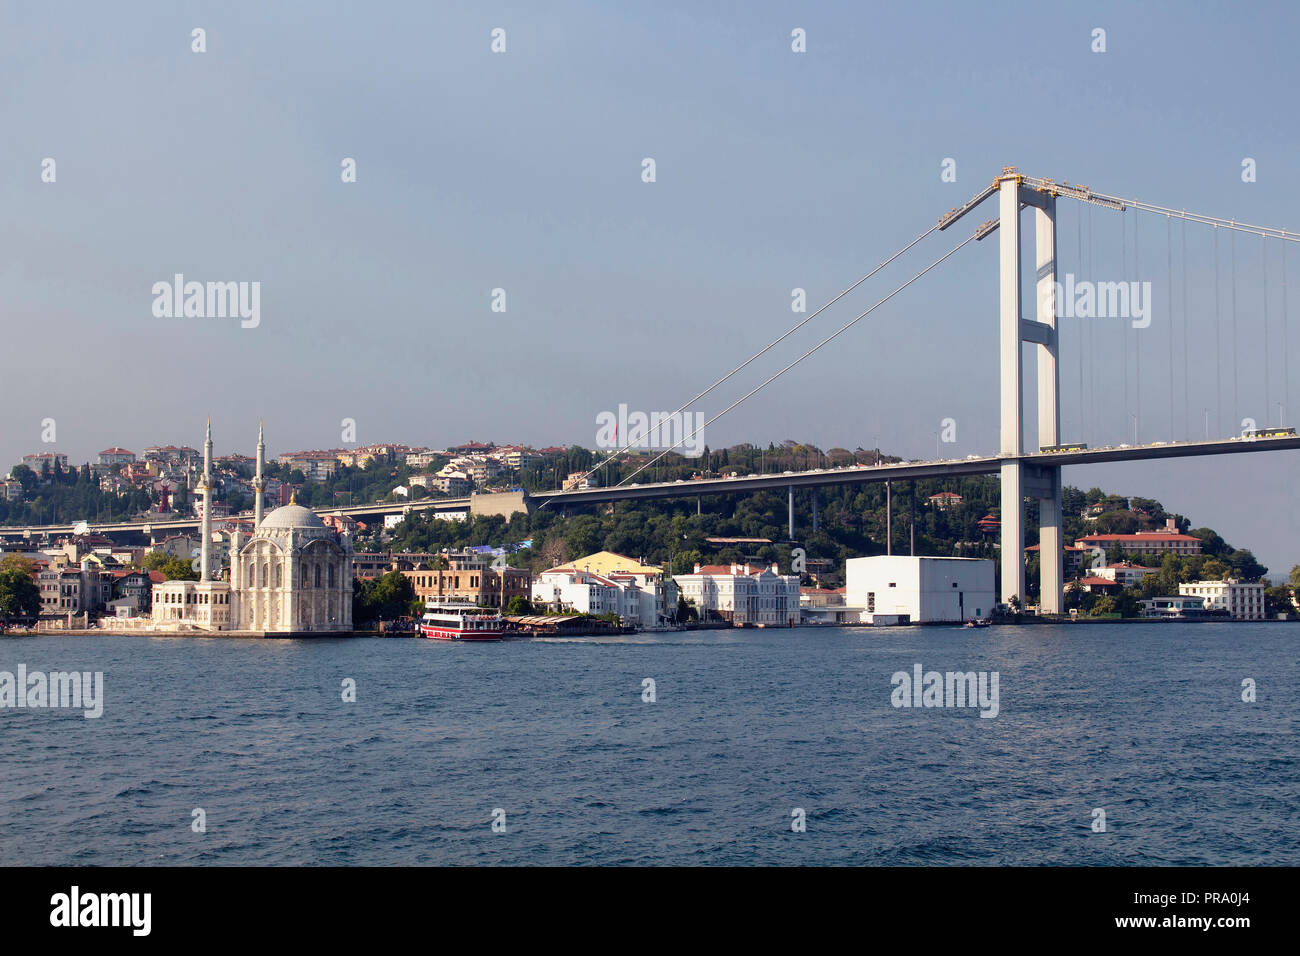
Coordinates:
<point>258,482</point>
<point>205,488</point>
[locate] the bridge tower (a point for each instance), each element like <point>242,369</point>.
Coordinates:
<point>1020,480</point>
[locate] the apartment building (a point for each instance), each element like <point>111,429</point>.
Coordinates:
<point>315,465</point>
<point>1242,600</point>
<point>50,460</point>
<point>465,577</point>
<point>74,590</point>
<point>115,456</point>
<point>1125,573</point>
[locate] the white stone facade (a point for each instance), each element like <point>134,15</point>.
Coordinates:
<point>743,595</point>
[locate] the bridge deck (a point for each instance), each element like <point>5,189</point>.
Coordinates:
<point>816,478</point>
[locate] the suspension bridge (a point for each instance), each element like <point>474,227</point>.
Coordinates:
<point>1025,471</point>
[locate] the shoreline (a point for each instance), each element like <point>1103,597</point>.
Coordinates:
<point>372,632</point>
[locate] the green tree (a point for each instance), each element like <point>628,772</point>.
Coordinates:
<point>387,598</point>
<point>173,569</point>
<point>19,595</point>
<point>1105,605</point>
<point>1214,570</point>
<point>1278,600</point>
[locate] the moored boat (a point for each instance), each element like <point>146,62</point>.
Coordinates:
<point>457,621</point>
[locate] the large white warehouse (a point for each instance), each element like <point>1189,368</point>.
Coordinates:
<point>927,590</point>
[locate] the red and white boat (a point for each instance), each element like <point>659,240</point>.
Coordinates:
<point>453,621</point>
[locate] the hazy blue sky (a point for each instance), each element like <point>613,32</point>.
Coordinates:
<point>522,171</point>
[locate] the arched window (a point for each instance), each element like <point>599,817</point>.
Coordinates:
<point>266,574</point>
<point>278,573</point>
<point>331,575</point>
<point>317,575</point>
<point>302,577</point>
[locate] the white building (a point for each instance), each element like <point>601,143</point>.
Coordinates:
<point>422,459</point>
<point>294,574</point>
<point>648,599</point>
<point>587,592</point>
<point>454,483</point>
<point>1182,607</point>
<point>742,594</point>
<point>1124,574</point>
<point>927,590</point>
<point>1244,602</point>
<point>115,456</point>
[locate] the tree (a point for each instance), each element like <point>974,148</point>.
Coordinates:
<point>1278,600</point>
<point>25,477</point>
<point>173,569</point>
<point>519,605</point>
<point>1211,543</point>
<point>20,563</point>
<point>389,597</point>
<point>1214,570</point>
<point>19,595</point>
<point>1245,567</point>
<point>1126,602</point>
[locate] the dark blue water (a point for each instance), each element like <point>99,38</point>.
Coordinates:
<point>1145,722</point>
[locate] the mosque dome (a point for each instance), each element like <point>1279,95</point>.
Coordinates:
<point>292,517</point>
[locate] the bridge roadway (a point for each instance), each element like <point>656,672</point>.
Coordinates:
<point>816,478</point>
<point>867,474</point>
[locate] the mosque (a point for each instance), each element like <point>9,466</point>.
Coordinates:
<point>292,575</point>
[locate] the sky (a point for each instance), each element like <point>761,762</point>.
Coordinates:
<point>522,171</point>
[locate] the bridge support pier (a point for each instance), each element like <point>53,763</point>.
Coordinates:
<point>1043,483</point>
<point>1050,553</point>
<point>1013,532</point>
<point>790,489</point>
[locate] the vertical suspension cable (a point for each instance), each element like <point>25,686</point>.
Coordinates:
<point>1137,342</point>
<point>1218,356</point>
<point>1092,332</point>
<point>1169,292</point>
<point>1123,275</point>
<point>1286,361</point>
<point>1078,264</point>
<point>1268,394</point>
<point>1236,392</point>
<point>1187,427</point>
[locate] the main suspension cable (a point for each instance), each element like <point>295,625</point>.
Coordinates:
<point>844,328</point>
